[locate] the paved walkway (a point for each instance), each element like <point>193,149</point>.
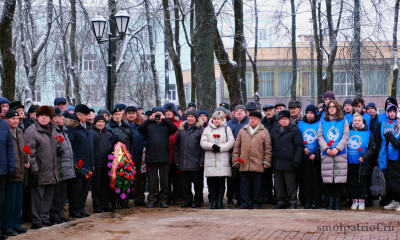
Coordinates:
<point>177,223</point>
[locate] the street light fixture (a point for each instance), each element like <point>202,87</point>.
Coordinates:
<point>98,25</point>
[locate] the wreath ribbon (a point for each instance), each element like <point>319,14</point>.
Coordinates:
<point>117,150</point>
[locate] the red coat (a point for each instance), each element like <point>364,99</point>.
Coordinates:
<point>172,139</point>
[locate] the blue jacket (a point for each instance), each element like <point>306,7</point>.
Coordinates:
<point>236,126</point>
<point>7,156</point>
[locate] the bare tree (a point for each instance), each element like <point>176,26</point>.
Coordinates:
<point>9,63</point>
<point>294,52</point>
<point>318,40</point>
<point>357,49</point>
<point>395,58</point>
<point>239,50</point>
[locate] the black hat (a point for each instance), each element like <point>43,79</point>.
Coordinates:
<point>179,108</point>
<point>59,100</point>
<point>158,109</point>
<point>171,107</point>
<point>99,117</point>
<point>116,110</point>
<point>267,106</point>
<point>193,112</point>
<point>57,111</point>
<point>371,104</point>
<point>82,108</point>
<point>255,114</point>
<point>312,108</point>
<point>251,106</point>
<point>15,105</point>
<point>203,112</point>
<point>283,113</point>
<point>294,104</point>
<point>139,107</point>
<point>131,109</point>
<point>11,113</point>
<point>392,100</point>
<point>33,108</point>
<point>4,100</point>
<point>104,111</point>
<point>280,105</point>
<point>192,105</point>
<point>120,105</point>
<point>148,113</point>
<point>225,105</point>
<point>45,110</point>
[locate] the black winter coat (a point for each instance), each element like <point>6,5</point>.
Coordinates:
<point>189,155</point>
<point>82,142</point>
<point>102,143</point>
<point>157,139</point>
<point>288,148</point>
<point>122,133</point>
<point>271,123</point>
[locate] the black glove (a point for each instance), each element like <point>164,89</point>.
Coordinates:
<point>387,135</point>
<point>216,148</point>
<point>296,166</point>
<point>34,179</point>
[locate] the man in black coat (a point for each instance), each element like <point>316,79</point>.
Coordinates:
<point>157,129</point>
<point>288,148</point>
<point>81,139</point>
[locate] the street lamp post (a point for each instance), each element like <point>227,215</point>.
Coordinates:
<point>98,25</point>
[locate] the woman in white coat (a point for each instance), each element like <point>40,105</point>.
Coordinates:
<point>217,140</point>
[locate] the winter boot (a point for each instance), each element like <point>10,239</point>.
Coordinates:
<point>337,203</point>
<point>212,198</point>
<point>331,204</point>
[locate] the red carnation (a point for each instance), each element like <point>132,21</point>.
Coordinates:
<point>390,121</point>
<point>126,160</point>
<point>132,177</point>
<point>134,172</point>
<point>121,173</point>
<point>121,164</point>
<point>27,149</point>
<point>330,143</point>
<point>360,149</point>
<point>240,160</point>
<point>305,142</point>
<point>129,168</point>
<point>216,135</point>
<point>79,164</point>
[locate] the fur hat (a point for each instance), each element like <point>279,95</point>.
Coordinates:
<point>220,114</point>
<point>255,114</point>
<point>15,105</point>
<point>82,108</point>
<point>158,109</point>
<point>283,113</point>
<point>45,110</point>
<point>171,107</point>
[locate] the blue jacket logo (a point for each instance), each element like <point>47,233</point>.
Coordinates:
<point>310,135</point>
<point>333,133</point>
<point>355,142</point>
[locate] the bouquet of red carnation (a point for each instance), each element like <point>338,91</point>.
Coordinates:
<point>82,172</point>
<point>60,152</point>
<point>122,171</point>
<point>28,152</point>
<point>241,161</point>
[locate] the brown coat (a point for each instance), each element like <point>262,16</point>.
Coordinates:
<point>255,150</point>
<point>20,156</point>
<point>44,159</point>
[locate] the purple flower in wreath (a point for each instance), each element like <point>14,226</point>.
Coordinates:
<point>110,157</point>
<point>125,167</point>
<point>123,196</point>
<point>117,190</point>
<point>128,191</point>
<point>109,165</point>
<point>109,174</point>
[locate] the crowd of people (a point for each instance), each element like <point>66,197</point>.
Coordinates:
<point>53,155</point>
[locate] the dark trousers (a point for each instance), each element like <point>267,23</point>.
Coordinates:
<point>357,183</point>
<point>187,178</point>
<point>174,185</point>
<point>311,181</point>
<point>158,186</point>
<point>26,203</point>
<point>267,184</point>
<point>216,188</point>
<point>41,201</point>
<point>233,186</point>
<point>13,205</point>
<point>3,184</point>
<point>60,196</point>
<point>285,186</point>
<point>334,190</point>
<point>79,189</point>
<point>250,182</point>
<point>138,194</point>
<point>101,190</point>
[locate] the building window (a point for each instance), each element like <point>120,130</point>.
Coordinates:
<point>249,85</point>
<point>262,34</point>
<point>172,92</point>
<point>145,62</point>
<point>343,83</point>
<point>90,62</point>
<point>37,94</point>
<point>284,83</point>
<point>267,81</point>
<point>376,83</point>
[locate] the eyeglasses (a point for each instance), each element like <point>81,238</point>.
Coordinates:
<point>332,107</point>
